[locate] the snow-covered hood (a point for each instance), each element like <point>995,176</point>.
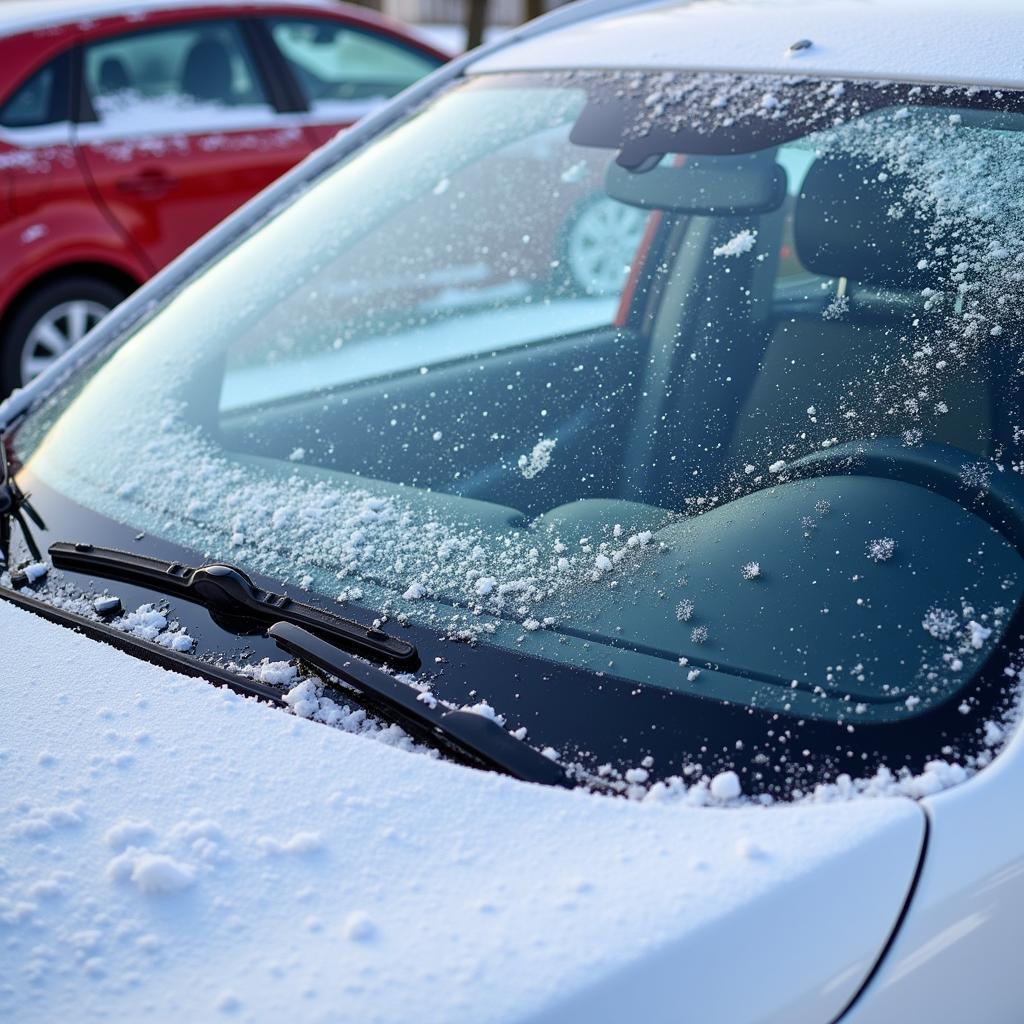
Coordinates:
<point>170,846</point>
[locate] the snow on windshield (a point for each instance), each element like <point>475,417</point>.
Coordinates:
<point>760,408</point>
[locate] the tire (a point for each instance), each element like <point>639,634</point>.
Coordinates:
<point>49,322</point>
<point>601,240</point>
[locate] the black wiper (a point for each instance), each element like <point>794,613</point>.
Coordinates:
<point>464,735</point>
<point>14,504</point>
<point>232,599</point>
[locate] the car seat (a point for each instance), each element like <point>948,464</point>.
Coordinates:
<point>851,356</point>
<point>207,73</point>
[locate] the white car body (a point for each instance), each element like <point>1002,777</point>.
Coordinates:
<point>425,891</point>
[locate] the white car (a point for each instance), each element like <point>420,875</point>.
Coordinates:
<point>644,652</point>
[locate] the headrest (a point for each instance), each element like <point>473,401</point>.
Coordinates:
<point>113,75</point>
<point>207,74</point>
<point>853,219</point>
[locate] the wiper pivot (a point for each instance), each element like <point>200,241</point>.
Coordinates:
<point>231,597</point>
<point>470,738</point>
<point>15,504</point>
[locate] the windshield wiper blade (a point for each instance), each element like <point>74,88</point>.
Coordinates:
<point>468,737</point>
<point>232,599</point>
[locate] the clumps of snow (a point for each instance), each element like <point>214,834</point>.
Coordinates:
<point>940,623</point>
<point>150,873</point>
<point>751,571</point>
<point>993,734</point>
<point>740,243</point>
<point>415,591</point>
<point>837,308</point>
<point>881,549</point>
<point>778,466</point>
<point>127,833</point>
<point>977,634</point>
<point>304,699</point>
<point>35,571</point>
<point>275,673</point>
<point>684,610</point>
<point>538,460</point>
<point>299,843</point>
<point>725,786</point>
<point>485,710</point>
<point>148,623</point>
<point>38,822</point>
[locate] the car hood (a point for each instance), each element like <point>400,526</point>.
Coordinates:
<point>171,845</point>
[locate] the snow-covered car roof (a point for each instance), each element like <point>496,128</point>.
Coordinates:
<point>909,40</point>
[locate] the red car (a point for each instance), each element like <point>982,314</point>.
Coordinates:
<point>128,131</point>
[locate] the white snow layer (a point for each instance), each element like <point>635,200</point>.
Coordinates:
<point>181,853</point>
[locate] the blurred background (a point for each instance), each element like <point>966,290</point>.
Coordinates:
<point>459,25</point>
<point>129,128</point>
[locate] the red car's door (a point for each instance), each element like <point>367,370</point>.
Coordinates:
<point>178,130</point>
<point>345,69</point>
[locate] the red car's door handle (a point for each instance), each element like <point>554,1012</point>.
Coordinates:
<point>151,183</point>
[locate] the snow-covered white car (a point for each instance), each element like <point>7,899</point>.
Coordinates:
<point>716,573</point>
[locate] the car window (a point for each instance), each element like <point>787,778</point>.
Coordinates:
<point>753,456</point>
<point>341,69</point>
<point>166,77</point>
<point>43,99</point>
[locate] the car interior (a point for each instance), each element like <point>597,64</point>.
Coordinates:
<point>204,62</point>
<point>735,383</point>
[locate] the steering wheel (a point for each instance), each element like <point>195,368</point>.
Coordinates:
<point>936,467</point>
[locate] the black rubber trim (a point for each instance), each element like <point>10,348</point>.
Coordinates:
<point>145,650</point>
<point>898,925</point>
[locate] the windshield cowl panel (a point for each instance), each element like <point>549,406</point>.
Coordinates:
<point>697,393</point>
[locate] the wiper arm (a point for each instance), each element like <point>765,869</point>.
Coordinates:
<point>14,504</point>
<point>232,599</point>
<point>470,738</point>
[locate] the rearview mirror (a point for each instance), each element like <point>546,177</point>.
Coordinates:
<point>701,185</point>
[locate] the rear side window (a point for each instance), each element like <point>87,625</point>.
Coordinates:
<point>43,99</point>
<point>337,65</point>
<point>149,79</point>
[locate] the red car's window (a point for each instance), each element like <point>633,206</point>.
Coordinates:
<point>341,70</point>
<point>43,99</point>
<point>168,73</point>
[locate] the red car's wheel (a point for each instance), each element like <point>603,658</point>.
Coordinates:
<point>600,242</point>
<point>52,320</point>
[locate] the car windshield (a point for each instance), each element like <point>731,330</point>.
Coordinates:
<point>705,382</point>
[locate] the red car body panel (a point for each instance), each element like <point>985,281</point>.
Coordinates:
<point>75,198</point>
<point>166,192</point>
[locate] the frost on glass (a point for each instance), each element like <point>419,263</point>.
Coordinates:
<point>464,382</point>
